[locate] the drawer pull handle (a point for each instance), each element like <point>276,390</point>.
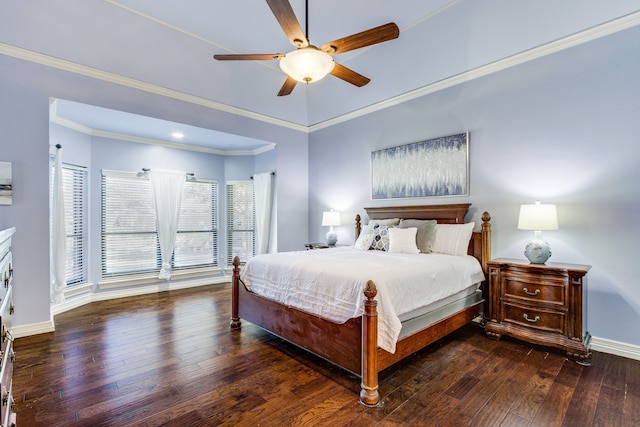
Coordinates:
<point>531,320</point>
<point>7,335</point>
<point>533,294</point>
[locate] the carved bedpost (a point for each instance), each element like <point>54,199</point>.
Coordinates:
<point>235,282</point>
<point>358,226</point>
<point>369,387</point>
<point>486,240</point>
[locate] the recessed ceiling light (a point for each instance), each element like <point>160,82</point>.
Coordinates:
<point>177,135</point>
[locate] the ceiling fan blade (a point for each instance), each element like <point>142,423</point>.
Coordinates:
<point>287,18</point>
<point>369,37</point>
<point>288,86</point>
<point>349,76</point>
<point>249,57</point>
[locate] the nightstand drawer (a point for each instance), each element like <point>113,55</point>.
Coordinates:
<point>534,292</point>
<point>534,317</point>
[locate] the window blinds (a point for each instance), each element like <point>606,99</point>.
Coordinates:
<point>75,206</point>
<point>129,234</point>
<point>240,221</point>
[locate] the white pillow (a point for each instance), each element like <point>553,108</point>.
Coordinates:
<point>403,240</point>
<point>364,242</point>
<point>452,239</point>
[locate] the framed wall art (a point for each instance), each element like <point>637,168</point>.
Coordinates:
<point>6,191</point>
<point>431,168</point>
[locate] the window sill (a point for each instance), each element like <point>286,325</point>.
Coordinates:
<point>147,279</point>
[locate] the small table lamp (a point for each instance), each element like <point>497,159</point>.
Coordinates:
<point>538,217</point>
<point>330,219</point>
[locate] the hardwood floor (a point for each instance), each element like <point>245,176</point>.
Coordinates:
<point>170,359</point>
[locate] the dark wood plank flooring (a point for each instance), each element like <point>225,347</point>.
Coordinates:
<point>169,359</point>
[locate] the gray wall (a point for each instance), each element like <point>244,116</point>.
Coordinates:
<point>563,129</point>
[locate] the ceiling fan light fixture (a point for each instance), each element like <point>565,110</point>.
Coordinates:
<point>306,65</point>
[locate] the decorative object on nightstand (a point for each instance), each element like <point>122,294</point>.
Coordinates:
<point>538,217</point>
<point>541,303</point>
<point>331,219</point>
<point>309,246</point>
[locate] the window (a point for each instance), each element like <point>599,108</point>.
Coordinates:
<point>240,221</point>
<point>129,236</point>
<point>74,181</point>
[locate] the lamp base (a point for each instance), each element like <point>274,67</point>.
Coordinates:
<point>331,238</point>
<point>537,251</point>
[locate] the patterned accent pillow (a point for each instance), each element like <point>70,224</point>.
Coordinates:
<point>380,237</point>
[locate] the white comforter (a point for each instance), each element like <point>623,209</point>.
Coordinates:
<point>330,282</point>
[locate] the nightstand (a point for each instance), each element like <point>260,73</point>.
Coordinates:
<point>539,303</point>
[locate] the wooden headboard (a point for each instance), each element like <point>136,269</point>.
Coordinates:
<point>480,244</point>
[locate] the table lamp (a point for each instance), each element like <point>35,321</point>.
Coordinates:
<point>330,219</point>
<point>538,217</point>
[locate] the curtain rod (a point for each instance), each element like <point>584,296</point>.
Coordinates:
<point>272,174</point>
<point>191,174</point>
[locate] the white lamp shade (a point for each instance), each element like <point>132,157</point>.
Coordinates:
<point>538,217</point>
<point>330,218</point>
<point>307,65</point>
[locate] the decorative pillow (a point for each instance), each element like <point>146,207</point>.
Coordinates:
<point>403,240</point>
<point>391,222</point>
<point>367,228</point>
<point>364,242</point>
<point>380,237</point>
<point>452,239</point>
<point>426,232</point>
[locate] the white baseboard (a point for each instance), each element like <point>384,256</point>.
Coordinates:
<point>86,298</point>
<point>615,347</point>
<point>33,329</point>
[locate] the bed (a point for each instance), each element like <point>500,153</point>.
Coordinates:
<point>353,344</point>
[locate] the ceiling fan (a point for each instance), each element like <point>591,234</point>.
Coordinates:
<point>308,63</point>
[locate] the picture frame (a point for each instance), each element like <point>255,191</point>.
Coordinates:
<point>431,168</point>
<point>6,185</point>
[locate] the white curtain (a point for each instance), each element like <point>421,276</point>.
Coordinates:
<point>58,234</point>
<point>262,193</point>
<point>167,196</point>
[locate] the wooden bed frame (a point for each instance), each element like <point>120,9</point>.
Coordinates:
<point>353,345</point>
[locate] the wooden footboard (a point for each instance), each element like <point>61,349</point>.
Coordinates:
<point>355,344</point>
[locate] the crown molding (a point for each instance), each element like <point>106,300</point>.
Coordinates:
<point>54,118</point>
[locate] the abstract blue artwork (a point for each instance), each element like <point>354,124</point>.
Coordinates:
<point>431,168</point>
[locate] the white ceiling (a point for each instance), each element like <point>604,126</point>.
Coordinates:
<point>166,46</point>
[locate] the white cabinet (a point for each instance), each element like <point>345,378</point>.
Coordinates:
<point>7,416</point>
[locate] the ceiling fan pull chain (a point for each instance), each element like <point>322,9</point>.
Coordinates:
<point>306,18</point>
